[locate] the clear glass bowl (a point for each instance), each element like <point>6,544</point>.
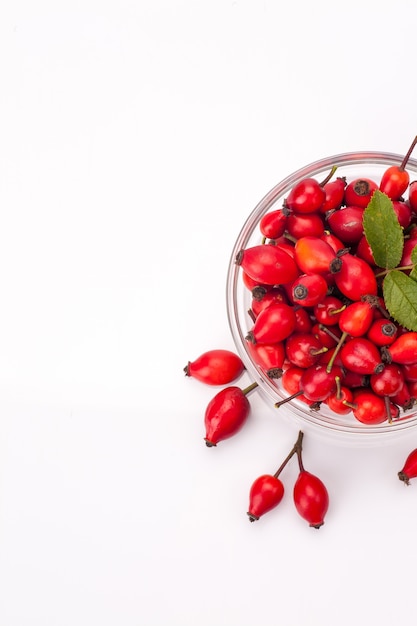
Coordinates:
<point>324,422</point>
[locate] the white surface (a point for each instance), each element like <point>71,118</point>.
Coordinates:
<point>135,138</point>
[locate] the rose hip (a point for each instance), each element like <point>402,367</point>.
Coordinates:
<point>355,278</point>
<point>409,469</point>
<point>346,224</point>
<point>267,490</point>
<point>361,356</point>
<point>359,192</point>
<point>226,413</point>
<point>395,179</point>
<point>303,349</point>
<point>268,264</point>
<point>265,494</point>
<point>308,290</point>
<point>403,350</point>
<point>215,367</point>
<point>335,191</point>
<point>307,196</point>
<point>270,357</point>
<point>310,495</point>
<point>313,255</point>
<point>273,224</point>
<point>273,324</point>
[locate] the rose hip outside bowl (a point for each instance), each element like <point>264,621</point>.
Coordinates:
<point>322,421</point>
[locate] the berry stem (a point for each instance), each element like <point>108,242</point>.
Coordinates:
<point>250,388</point>
<point>407,156</point>
<point>288,399</point>
<point>297,446</point>
<point>338,387</point>
<point>252,315</point>
<point>388,409</point>
<point>299,452</point>
<point>329,332</point>
<point>329,176</point>
<point>336,352</point>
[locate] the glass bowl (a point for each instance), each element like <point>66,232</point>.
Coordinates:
<point>340,428</point>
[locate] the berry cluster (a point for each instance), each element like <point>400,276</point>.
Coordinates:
<point>225,415</point>
<point>310,495</point>
<point>324,320</point>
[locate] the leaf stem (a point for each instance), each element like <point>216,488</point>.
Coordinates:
<point>400,268</point>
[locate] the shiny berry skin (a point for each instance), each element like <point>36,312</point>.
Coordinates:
<point>265,494</point>
<point>356,318</point>
<point>389,382</point>
<point>404,398</point>
<point>409,245</point>
<point>307,196</point>
<point>317,383</point>
<point>226,413</point>
<point>369,408</point>
<point>334,242</point>
<point>251,283</point>
<point>410,372</point>
<point>331,356</point>
<point>303,322</point>
<point>337,401</point>
<point>268,264</point>
<point>403,350</point>
<point>409,469</point>
<point>346,224</point>
<point>328,337</point>
<point>382,332</point>
<point>394,182</point>
<point>403,212</point>
<point>361,356</point>
<point>334,191</point>
<point>311,498</point>
<point>269,357</point>
<point>310,225</point>
<point>328,311</point>
<point>303,349</point>
<point>395,179</point>
<point>273,324</point>
<point>263,299</point>
<point>359,192</point>
<point>291,382</point>
<point>215,367</point>
<point>363,250</point>
<point>313,255</point>
<point>273,224</point>
<point>285,245</point>
<point>309,289</point>
<point>412,196</point>
<point>355,278</point>
<point>353,380</point>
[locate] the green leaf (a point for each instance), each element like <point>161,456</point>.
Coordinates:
<point>400,296</point>
<point>383,231</point>
<point>413,273</point>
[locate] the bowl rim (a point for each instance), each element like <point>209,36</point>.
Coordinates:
<point>265,385</point>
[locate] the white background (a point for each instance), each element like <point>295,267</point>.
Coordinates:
<point>135,138</point>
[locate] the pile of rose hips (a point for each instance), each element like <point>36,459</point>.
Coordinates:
<point>320,324</point>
